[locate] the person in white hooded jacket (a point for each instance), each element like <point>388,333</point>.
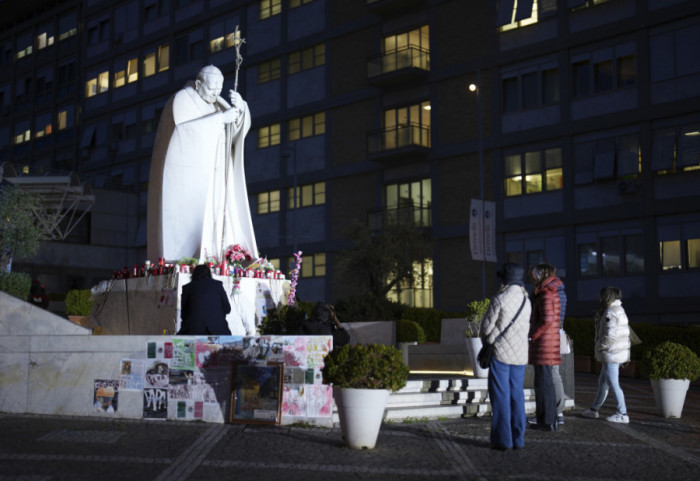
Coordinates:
<point>612,348</point>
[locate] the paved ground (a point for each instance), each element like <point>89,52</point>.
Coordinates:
<point>48,448</point>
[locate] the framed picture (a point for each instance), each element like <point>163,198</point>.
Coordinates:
<point>257,393</point>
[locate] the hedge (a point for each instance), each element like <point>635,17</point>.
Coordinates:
<point>582,332</point>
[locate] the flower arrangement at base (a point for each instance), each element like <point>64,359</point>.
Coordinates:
<point>236,255</point>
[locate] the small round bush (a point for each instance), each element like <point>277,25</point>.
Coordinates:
<point>671,360</point>
<point>365,366</point>
<point>79,302</point>
<point>409,331</point>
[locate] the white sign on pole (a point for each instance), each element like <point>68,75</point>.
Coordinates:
<point>482,230</point>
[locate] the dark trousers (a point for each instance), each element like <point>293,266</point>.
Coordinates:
<point>545,398</point>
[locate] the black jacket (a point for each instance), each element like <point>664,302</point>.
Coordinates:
<point>204,307</point>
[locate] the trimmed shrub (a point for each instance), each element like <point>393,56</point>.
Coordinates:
<point>409,331</point>
<point>78,302</point>
<point>365,366</point>
<point>671,360</point>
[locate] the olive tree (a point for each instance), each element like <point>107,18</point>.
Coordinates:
<point>20,230</point>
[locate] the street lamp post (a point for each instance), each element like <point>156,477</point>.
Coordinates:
<point>476,88</point>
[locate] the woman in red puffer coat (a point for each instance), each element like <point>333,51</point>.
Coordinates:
<point>544,347</point>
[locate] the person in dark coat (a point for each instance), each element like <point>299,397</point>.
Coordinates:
<point>204,305</point>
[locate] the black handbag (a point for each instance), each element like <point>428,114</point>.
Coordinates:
<point>486,353</point>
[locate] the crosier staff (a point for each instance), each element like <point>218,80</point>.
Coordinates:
<point>237,42</point>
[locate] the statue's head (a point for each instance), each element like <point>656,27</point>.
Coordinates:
<point>209,83</point>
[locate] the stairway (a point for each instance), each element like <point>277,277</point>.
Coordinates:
<point>444,397</point>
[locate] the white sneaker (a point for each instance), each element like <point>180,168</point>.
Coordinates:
<point>590,413</point>
<point>619,418</point>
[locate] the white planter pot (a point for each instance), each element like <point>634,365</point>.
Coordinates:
<point>473,347</point>
<point>670,396</point>
<point>360,412</point>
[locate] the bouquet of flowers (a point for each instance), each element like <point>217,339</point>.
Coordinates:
<point>236,254</point>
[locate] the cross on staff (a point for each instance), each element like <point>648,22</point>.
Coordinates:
<point>237,42</point>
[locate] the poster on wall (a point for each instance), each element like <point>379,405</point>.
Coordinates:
<point>159,350</point>
<point>319,400</point>
<point>157,373</point>
<point>105,396</point>
<point>183,354</point>
<point>155,403</point>
<point>317,347</point>
<point>131,373</point>
<point>188,409</point>
<point>257,393</point>
<point>181,384</point>
<point>293,400</point>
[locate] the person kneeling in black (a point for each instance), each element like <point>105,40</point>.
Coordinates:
<point>204,305</point>
<point>324,322</point>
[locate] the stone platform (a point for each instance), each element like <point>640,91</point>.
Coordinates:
<point>151,305</point>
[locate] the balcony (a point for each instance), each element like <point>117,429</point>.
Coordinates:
<point>408,143</point>
<point>416,215</point>
<point>405,65</point>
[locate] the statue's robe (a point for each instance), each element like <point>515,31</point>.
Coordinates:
<point>197,196</point>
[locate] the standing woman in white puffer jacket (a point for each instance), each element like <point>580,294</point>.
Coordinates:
<point>612,348</point>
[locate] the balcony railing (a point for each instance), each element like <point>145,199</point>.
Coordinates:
<point>410,57</point>
<point>413,135</point>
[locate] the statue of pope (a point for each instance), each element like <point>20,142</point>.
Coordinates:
<point>197,196</point>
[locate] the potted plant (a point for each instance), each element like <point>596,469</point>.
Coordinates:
<point>670,367</point>
<point>476,310</point>
<point>78,305</point>
<point>363,375</point>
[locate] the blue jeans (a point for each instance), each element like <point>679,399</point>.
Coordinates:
<point>506,383</point>
<point>610,378</point>
<point>545,396</point>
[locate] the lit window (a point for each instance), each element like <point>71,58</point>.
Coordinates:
<point>268,71</point>
<point>132,70</point>
<point>269,202</point>
<point>269,8</point>
<point>307,126</point>
<point>268,136</point>
<point>307,195</point>
<point>693,253</point>
<point>670,255</point>
<point>527,173</point>
<point>91,87</point>
<point>233,39</point>
<point>313,265</point>
<point>298,3</point>
<point>103,82</point>
<point>409,202</point>
<point>418,291</point>
<point>307,59</point>
<point>163,58</point>
<point>406,126</point>
<point>404,50</point>
<point>216,45</point>
<point>513,15</point>
<point>62,119</point>
<point>149,64</point>
<point>119,79</point>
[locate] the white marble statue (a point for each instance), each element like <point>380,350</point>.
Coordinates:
<point>197,197</point>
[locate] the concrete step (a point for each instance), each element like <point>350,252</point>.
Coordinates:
<point>449,397</point>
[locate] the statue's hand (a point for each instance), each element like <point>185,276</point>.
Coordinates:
<point>237,101</point>
<point>231,115</point>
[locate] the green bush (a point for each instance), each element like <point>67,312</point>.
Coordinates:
<point>365,366</point>
<point>582,333</point>
<point>78,302</point>
<point>409,331</point>
<point>476,310</point>
<point>671,360</point>
<point>285,320</point>
<point>16,284</point>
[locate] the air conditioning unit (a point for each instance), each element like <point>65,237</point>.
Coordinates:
<point>627,186</point>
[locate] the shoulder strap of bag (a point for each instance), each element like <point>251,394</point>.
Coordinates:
<point>512,321</point>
